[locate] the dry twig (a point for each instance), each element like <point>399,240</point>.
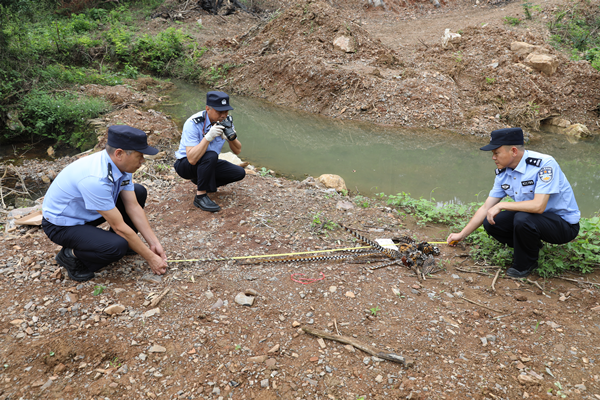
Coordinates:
<point>495,279</point>
<point>480,305</point>
<point>407,362</point>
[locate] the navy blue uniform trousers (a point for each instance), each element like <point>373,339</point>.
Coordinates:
<point>95,247</point>
<point>209,172</point>
<point>524,232</point>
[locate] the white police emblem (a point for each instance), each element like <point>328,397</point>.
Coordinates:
<point>546,174</point>
<point>224,102</point>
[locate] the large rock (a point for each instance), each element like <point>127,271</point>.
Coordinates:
<point>333,181</point>
<point>232,158</point>
<point>558,121</point>
<point>545,63</point>
<point>523,49</point>
<point>345,44</point>
<point>578,130</point>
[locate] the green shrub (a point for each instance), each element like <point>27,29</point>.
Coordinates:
<point>58,75</point>
<point>60,116</point>
<point>513,21</point>
<point>155,53</point>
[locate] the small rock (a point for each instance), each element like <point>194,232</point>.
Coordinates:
<point>264,383</point>
<point>528,379</point>
<point>483,341</point>
<point>295,324</point>
<point>114,309</point>
<point>71,297</point>
<point>257,359</point>
<point>209,295</point>
<point>218,304</point>
<point>60,368</point>
<point>244,300</point>
<point>332,288</point>
<point>520,297</point>
<point>350,294</point>
<point>379,379</point>
<point>150,313</point>
<point>581,387</point>
<point>274,349</point>
<point>250,292</point>
<point>552,325</point>
<point>270,363</point>
<point>157,349</point>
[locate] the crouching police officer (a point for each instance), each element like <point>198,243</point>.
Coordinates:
<point>99,188</point>
<point>544,206</point>
<point>202,139</point>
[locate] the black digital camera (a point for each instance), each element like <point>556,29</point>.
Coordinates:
<point>228,131</point>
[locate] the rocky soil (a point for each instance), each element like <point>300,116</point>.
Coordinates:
<point>129,334</point>
<point>467,337</point>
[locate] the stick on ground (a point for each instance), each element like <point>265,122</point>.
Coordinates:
<point>480,305</point>
<point>407,362</point>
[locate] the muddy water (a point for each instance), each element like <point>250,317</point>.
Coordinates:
<point>444,166</point>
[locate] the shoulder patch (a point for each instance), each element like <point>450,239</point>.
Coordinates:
<point>533,161</point>
<point>546,174</point>
<point>125,182</point>
<point>199,119</point>
<point>499,171</point>
<point>110,175</point>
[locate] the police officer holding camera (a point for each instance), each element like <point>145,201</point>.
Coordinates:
<point>202,139</point>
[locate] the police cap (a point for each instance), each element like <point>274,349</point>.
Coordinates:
<point>506,136</point>
<point>127,138</point>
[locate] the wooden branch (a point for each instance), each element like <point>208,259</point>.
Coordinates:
<point>407,362</point>
<point>157,299</point>
<point>495,279</point>
<point>480,305</point>
<point>576,281</point>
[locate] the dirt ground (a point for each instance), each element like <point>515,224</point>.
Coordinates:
<point>467,335</point>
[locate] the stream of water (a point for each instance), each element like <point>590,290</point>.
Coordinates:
<point>447,167</point>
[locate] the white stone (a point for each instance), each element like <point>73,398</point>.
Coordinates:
<point>345,44</point>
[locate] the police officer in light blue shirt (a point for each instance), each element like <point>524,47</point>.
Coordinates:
<point>201,142</point>
<point>100,188</point>
<point>544,207</point>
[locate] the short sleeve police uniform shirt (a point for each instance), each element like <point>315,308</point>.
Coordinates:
<point>538,173</point>
<point>83,188</point>
<point>194,130</point>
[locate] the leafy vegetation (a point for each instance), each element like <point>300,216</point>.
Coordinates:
<point>581,254</point>
<point>576,27</point>
<point>51,47</point>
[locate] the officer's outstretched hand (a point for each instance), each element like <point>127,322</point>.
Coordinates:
<point>215,130</point>
<point>454,238</point>
<point>158,265</point>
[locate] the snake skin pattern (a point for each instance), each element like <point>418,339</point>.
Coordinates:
<point>417,257</point>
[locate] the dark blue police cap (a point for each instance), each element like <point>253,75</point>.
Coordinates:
<point>506,136</point>
<point>218,100</point>
<point>128,138</point>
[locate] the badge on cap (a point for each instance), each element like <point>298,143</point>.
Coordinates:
<point>224,102</point>
<point>546,174</point>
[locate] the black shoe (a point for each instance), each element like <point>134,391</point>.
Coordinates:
<point>73,266</point>
<point>205,203</point>
<point>515,273</point>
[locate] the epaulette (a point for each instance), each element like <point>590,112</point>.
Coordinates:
<point>533,161</point>
<point>199,119</point>
<point>499,171</point>
<point>110,174</point>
